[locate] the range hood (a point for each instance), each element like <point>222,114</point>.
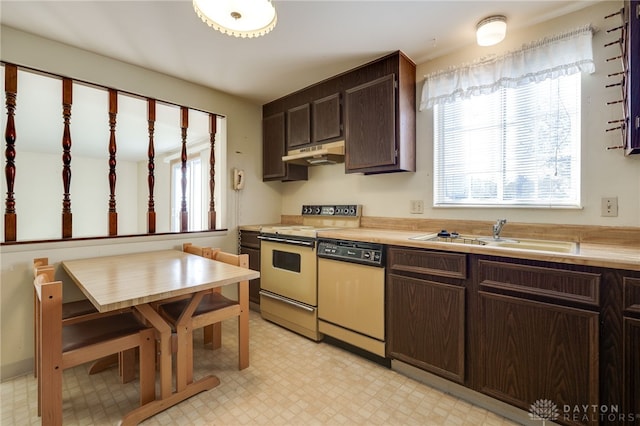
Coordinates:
<point>328,153</point>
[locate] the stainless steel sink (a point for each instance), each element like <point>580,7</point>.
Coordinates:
<point>538,245</point>
<point>522,244</point>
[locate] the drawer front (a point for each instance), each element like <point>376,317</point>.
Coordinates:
<point>572,286</point>
<point>426,262</point>
<point>249,239</point>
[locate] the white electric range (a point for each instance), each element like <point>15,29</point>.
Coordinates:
<point>288,257</point>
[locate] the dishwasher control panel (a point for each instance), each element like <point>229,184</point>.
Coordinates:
<point>352,251</point>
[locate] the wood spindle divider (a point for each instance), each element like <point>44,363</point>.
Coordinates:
<point>113,111</point>
<point>10,215</point>
<point>11,92</point>
<point>184,214</point>
<point>212,170</point>
<point>151,213</point>
<point>67,100</point>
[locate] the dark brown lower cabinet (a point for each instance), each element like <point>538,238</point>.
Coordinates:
<point>632,370</point>
<point>250,244</point>
<point>427,326</point>
<point>533,352</point>
<point>554,339</point>
<point>538,338</point>
<point>631,344</point>
<point>426,310</point>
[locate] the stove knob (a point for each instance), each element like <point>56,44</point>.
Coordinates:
<point>352,211</point>
<point>316,210</point>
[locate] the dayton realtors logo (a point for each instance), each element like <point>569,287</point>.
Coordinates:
<point>543,409</point>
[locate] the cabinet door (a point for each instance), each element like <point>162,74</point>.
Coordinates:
<point>426,325</point>
<point>298,126</point>
<point>273,148</point>
<point>254,263</point>
<point>534,351</point>
<point>370,126</point>
<point>327,119</point>
<point>632,367</point>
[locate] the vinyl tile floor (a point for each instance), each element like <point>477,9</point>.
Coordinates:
<point>291,381</point>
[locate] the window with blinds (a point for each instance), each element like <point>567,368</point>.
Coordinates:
<point>514,147</point>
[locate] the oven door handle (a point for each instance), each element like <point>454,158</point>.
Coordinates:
<point>285,300</point>
<point>287,241</point>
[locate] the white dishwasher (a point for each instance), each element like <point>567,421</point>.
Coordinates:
<point>351,293</point>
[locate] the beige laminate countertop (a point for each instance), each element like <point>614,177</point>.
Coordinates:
<point>601,255</point>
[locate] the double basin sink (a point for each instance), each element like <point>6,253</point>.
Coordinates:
<point>522,244</point>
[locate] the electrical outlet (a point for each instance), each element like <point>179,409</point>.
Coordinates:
<point>416,206</point>
<point>609,207</point>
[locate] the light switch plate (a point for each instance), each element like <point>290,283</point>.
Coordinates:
<point>609,207</point>
<point>416,207</point>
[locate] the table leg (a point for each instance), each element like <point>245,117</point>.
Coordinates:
<point>184,332</point>
<point>163,331</point>
<point>185,386</point>
<point>243,325</point>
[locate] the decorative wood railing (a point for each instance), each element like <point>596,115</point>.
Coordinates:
<point>184,214</point>
<point>10,216</point>
<point>212,170</point>
<point>113,112</point>
<point>11,90</point>
<point>67,100</point>
<point>151,212</point>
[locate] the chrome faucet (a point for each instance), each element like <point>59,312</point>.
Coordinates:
<point>497,227</point>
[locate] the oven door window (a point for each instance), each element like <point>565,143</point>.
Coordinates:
<point>286,260</point>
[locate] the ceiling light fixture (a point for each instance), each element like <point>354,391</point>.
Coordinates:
<point>491,30</point>
<point>239,18</point>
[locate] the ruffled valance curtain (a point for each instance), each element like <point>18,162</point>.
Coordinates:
<point>564,54</point>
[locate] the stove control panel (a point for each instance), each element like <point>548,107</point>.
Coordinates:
<point>348,210</point>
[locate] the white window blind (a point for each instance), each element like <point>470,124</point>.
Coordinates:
<point>516,146</point>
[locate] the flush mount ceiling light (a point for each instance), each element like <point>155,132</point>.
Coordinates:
<point>491,30</point>
<point>239,18</point>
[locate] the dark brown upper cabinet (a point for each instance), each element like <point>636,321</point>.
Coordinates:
<point>370,125</point>
<point>380,120</point>
<point>273,148</point>
<point>298,126</point>
<point>327,119</point>
<point>380,117</point>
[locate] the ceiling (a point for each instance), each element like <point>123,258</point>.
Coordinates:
<point>312,41</point>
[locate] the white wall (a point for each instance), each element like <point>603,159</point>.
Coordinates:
<point>257,203</point>
<point>604,172</point>
<point>39,190</point>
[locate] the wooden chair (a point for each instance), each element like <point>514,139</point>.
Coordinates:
<point>213,308</point>
<point>71,311</point>
<point>66,345</point>
<point>76,311</point>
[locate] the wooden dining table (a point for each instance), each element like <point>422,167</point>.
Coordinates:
<point>136,280</point>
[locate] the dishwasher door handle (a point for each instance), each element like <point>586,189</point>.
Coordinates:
<point>285,300</point>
